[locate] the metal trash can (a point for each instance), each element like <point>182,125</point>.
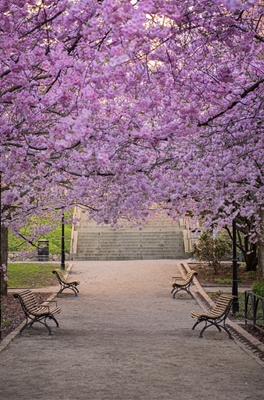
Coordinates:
<point>43,250</point>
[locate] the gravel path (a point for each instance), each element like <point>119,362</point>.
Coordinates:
<point>125,338</point>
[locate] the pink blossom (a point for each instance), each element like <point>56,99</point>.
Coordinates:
<point>122,105</point>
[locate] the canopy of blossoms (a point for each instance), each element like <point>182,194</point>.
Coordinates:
<point>120,105</point>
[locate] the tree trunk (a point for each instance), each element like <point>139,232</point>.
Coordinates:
<point>261,244</point>
<point>250,256</point>
<point>248,249</point>
<point>3,259</point>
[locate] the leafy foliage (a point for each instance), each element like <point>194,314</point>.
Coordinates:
<point>211,250</point>
<point>224,281</point>
<point>258,287</point>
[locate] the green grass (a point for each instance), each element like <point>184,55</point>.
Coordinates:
<point>30,275</point>
<point>226,281</point>
<point>6,322</point>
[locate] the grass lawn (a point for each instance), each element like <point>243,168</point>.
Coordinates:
<point>30,275</point>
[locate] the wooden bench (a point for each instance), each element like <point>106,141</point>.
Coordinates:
<point>216,316</point>
<point>36,312</point>
<point>183,284</point>
<point>65,283</point>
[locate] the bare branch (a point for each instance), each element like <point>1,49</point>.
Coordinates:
<point>233,104</point>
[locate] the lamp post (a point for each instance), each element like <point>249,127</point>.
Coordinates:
<point>235,280</point>
<point>62,244</point>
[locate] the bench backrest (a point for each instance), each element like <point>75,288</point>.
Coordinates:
<point>59,275</point>
<point>223,305</point>
<point>190,275</point>
<point>28,301</point>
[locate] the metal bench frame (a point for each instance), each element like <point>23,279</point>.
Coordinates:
<point>216,316</point>
<point>184,284</point>
<point>35,312</point>
<point>65,283</point>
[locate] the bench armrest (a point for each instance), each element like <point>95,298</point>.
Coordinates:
<point>48,301</point>
<point>179,277</point>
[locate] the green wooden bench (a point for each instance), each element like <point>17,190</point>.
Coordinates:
<point>35,312</point>
<point>65,283</point>
<point>183,284</point>
<point>216,316</point>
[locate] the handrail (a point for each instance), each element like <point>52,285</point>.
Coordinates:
<point>254,300</point>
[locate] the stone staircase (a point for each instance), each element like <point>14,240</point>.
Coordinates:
<point>157,240</point>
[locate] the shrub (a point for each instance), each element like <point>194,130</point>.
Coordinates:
<point>251,274</point>
<point>211,250</point>
<point>6,322</point>
<point>258,287</point>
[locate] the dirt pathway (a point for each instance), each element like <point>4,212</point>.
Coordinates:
<point>125,338</point>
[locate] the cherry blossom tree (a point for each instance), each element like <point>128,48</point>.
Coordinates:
<point>191,119</point>
<point>133,107</point>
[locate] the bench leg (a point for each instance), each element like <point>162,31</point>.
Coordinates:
<point>179,289</point>
<point>211,324</point>
<point>73,288</point>
<point>207,326</point>
<point>228,332</point>
<point>47,326</point>
<point>196,323</point>
<point>24,327</point>
<point>29,324</point>
<point>54,319</point>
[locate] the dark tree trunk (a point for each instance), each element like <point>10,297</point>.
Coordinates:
<point>251,259</point>
<point>250,254</point>
<point>3,258</point>
<point>248,249</point>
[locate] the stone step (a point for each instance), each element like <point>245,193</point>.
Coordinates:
<point>109,245</point>
<point>157,223</point>
<point>156,253</point>
<point>152,236</point>
<point>127,257</point>
<point>154,228</point>
<point>129,243</point>
<point>108,249</point>
<point>130,234</point>
<point>129,230</point>
<point>159,239</point>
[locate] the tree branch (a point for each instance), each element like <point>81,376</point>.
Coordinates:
<point>233,104</point>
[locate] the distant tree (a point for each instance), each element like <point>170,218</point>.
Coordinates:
<point>211,250</point>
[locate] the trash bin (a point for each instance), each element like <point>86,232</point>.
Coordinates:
<point>43,250</point>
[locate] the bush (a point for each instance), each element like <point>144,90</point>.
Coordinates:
<point>258,287</point>
<point>226,281</point>
<point>211,250</point>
